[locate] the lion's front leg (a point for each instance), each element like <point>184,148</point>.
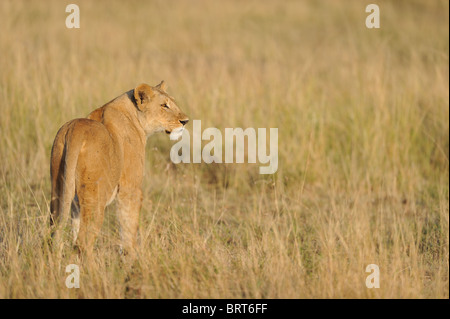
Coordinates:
<point>129,204</point>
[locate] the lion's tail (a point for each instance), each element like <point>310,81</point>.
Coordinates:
<point>72,147</point>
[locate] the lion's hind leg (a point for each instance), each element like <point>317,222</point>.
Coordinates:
<point>92,205</point>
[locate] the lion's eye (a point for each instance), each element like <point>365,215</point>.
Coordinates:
<point>165,105</point>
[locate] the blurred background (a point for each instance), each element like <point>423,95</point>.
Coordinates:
<point>363,123</point>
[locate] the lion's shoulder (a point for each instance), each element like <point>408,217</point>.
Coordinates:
<point>97,114</point>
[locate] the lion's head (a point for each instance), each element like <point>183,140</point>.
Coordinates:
<point>158,112</point>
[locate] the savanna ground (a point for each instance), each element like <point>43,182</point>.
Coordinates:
<point>363,119</point>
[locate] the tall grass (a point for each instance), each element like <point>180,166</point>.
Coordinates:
<point>363,118</point>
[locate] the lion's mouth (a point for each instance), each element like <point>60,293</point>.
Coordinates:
<point>168,132</point>
<point>176,133</point>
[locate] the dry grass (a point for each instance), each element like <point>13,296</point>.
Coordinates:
<point>363,118</point>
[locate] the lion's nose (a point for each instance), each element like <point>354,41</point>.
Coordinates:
<point>184,122</point>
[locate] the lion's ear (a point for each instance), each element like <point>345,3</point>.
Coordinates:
<point>143,94</point>
<point>162,86</point>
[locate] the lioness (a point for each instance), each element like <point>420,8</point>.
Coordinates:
<point>97,158</point>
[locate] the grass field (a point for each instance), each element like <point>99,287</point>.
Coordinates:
<point>363,123</point>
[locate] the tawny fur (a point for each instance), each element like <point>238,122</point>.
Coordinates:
<point>97,157</point>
